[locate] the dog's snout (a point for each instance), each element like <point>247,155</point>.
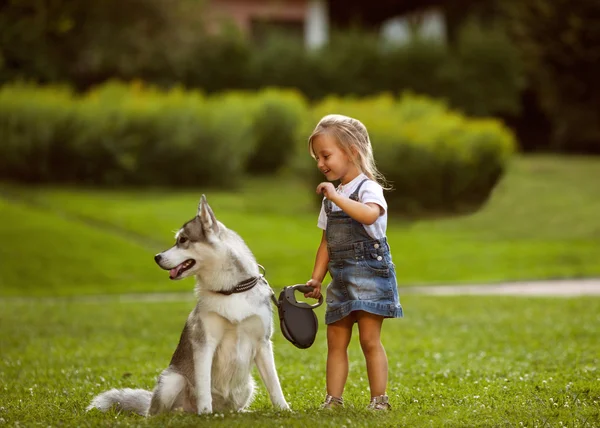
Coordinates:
<point>157,258</point>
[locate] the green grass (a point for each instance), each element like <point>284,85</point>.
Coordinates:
<point>52,255</point>
<point>541,222</point>
<point>454,361</point>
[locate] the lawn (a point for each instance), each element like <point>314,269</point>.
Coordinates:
<point>454,361</point>
<point>541,222</point>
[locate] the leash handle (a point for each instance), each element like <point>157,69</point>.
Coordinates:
<point>303,288</point>
<point>289,293</point>
<point>291,298</point>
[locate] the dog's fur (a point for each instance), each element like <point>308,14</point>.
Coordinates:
<point>224,334</point>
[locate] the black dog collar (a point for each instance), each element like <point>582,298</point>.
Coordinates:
<point>242,286</point>
<point>245,285</point>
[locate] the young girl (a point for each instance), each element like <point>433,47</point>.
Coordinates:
<point>355,251</point>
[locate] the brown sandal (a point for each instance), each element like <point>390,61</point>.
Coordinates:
<point>332,402</point>
<point>381,402</point>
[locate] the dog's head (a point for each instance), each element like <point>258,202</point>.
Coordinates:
<point>196,244</point>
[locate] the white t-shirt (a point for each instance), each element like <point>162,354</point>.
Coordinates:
<point>370,191</point>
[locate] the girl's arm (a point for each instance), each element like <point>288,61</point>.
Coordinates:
<point>320,269</point>
<point>363,213</point>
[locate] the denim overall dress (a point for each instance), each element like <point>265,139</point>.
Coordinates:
<point>361,268</point>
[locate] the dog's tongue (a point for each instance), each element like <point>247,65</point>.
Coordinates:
<point>174,272</point>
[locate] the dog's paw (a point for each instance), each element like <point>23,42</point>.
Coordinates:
<point>203,410</point>
<point>283,406</point>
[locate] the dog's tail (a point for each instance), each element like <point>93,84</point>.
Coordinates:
<point>127,399</point>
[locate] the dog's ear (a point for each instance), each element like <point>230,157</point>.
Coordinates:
<point>206,216</point>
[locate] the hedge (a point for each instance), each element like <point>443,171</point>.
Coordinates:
<point>35,132</point>
<point>438,161</point>
<point>135,135</point>
<point>276,125</point>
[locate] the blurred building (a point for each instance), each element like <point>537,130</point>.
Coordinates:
<point>312,19</point>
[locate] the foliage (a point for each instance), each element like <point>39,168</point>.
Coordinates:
<point>215,62</point>
<point>167,43</point>
<point>560,45</point>
<point>35,124</point>
<point>283,61</point>
<point>484,74</point>
<point>84,43</point>
<point>356,63</point>
<point>133,134</point>
<point>119,134</point>
<point>350,64</point>
<point>419,66</point>
<point>276,126</point>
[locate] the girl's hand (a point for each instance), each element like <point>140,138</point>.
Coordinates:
<point>327,189</point>
<point>316,293</point>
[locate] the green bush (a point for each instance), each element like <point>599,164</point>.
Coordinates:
<point>110,130</point>
<point>35,124</point>
<point>483,74</point>
<point>419,66</point>
<point>437,161</point>
<point>350,64</point>
<point>216,62</point>
<point>124,135</point>
<point>281,61</point>
<point>143,136</point>
<point>276,124</point>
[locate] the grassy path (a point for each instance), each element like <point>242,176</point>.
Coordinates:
<point>556,288</point>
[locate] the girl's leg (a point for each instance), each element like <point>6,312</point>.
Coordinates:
<point>369,330</point>
<point>338,339</point>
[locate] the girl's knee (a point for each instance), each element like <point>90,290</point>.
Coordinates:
<point>339,335</point>
<point>338,342</point>
<point>370,344</point>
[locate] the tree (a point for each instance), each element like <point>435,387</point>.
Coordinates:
<point>86,42</point>
<point>560,44</point>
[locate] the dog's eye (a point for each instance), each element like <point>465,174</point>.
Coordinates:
<point>182,239</point>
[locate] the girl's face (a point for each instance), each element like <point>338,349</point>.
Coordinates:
<point>332,160</point>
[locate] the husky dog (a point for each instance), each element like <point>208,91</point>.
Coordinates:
<point>228,330</point>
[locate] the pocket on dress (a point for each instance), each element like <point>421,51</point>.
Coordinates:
<point>371,264</point>
<point>373,281</point>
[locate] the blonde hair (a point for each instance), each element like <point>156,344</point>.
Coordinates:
<point>349,132</point>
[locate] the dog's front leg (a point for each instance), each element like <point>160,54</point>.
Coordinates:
<point>265,362</point>
<point>203,358</point>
